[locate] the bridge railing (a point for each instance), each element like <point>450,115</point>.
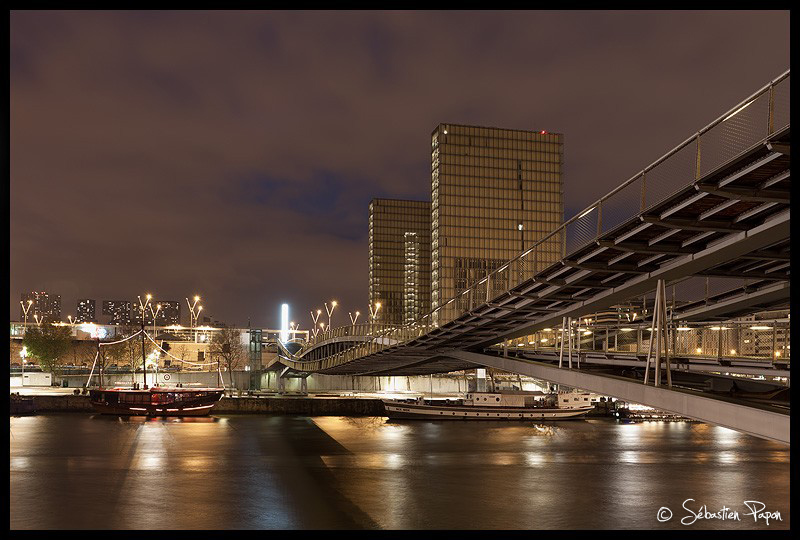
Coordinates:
<point>754,119</point>
<point>732,133</point>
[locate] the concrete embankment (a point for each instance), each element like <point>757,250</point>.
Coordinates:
<point>306,406</point>
<point>300,405</point>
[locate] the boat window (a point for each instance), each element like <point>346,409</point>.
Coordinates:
<point>498,399</point>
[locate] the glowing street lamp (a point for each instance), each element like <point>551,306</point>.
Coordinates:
<point>373,313</point>
<point>154,314</point>
<point>353,319</point>
<point>330,311</point>
<point>314,320</point>
<point>192,314</point>
<point>38,320</point>
<point>25,311</point>
<point>70,319</point>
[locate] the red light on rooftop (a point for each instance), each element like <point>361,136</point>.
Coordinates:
<point>543,132</point>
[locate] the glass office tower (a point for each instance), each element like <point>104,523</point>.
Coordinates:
<point>399,259</point>
<point>494,193</point>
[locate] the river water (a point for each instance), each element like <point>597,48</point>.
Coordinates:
<point>76,471</point>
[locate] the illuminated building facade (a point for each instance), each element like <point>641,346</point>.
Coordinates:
<point>399,259</point>
<point>169,314</point>
<point>119,311</point>
<point>47,307</point>
<point>494,193</point>
<point>86,311</point>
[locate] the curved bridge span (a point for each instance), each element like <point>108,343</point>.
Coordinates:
<point>714,212</point>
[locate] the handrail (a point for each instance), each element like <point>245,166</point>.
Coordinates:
<point>607,196</point>
<point>408,331</point>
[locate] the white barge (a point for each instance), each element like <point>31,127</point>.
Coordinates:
<point>494,406</point>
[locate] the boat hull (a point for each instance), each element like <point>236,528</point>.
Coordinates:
<point>408,411</point>
<point>128,403</point>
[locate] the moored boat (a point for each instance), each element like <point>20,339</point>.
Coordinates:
<point>155,401</point>
<point>494,406</point>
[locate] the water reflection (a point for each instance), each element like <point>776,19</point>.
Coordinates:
<point>251,471</point>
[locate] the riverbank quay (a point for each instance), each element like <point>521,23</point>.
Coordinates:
<point>288,405</point>
<point>277,405</point>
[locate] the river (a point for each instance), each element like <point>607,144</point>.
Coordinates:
<point>84,471</point>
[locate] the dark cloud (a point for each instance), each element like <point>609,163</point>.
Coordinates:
<point>234,153</point>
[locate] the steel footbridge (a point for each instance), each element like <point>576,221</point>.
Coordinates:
<point>709,221</point>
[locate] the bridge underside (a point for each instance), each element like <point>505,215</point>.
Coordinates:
<point>762,421</point>
<point>732,222</point>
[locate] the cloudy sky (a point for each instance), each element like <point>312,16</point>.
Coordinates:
<point>233,154</point>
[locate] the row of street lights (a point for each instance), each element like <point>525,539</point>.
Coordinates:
<point>373,313</point>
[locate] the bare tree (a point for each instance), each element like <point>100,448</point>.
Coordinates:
<point>227,347</point>
<point>179,351</point>
<point>129,351</point>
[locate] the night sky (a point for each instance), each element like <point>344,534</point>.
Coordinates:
<point>233,155</point>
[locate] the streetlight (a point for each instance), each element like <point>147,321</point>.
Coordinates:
<point>38,321</point>
<point>330,312</point>
<point>154,314</point>
<point>314,321</point>
<point>25,311</point>
<point>353,319</point>
<point>374,313</point>
<point>192,314</point>
<point>199,309</point>
<point>70,319</point>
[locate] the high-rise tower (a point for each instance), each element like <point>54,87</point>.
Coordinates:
<point>494,193</point>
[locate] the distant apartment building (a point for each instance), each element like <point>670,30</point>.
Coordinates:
<point>86,311</point>
<point>119,311</point>
<point>45,306</point>
<point>169,312</point>
<point>494,193</point>
<point>399,259</point>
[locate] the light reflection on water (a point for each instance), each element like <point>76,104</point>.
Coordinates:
<point>269,472</point>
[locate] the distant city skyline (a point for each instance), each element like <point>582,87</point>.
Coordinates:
<point>239,165</point>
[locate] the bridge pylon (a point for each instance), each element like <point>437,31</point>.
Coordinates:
<point>659,337</point>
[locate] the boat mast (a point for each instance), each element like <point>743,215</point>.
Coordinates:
<point>144,361</point>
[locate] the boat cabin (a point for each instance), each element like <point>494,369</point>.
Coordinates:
<point>485,399</point>
<point>574,400</point>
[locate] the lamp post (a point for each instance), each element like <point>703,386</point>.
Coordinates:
<point>25,311</point>
<point>154,314</point>
<point>36,318</point>
<point>373,313</point>
<point>192,315</point>
<point>314,321</point>
<point>330,311</point>
<point>353,319</point>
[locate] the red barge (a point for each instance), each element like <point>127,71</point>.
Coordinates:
<point>155,401</point>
